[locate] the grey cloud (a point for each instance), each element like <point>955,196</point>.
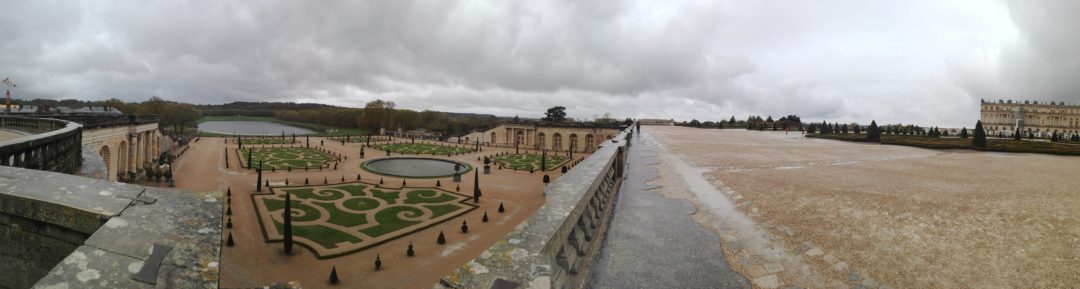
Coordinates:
<point>841,60</point>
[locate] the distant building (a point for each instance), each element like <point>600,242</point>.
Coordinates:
<point>97,110</point>
<point>656,121</point>
<point>1030,117</point>
<point>583,137</point>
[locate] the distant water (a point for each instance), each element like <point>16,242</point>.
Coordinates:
<point>251,128</point>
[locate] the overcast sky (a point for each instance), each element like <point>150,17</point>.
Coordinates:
<point>923,61</point>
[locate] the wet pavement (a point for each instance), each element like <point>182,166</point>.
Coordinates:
<point>652,242</point>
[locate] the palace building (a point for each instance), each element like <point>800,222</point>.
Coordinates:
<point>1040,119</point>
<point>582,137</point>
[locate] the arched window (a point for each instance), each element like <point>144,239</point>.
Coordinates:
<point>106,155</point>
<point>540,141</point>
<point>589,142</point>
<point>556,142</point>
<point>573,142</point>
<point>492,137</point>
<point>520,139</point>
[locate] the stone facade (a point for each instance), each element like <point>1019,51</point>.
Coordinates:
<point>124,148</point>
<point>1040,119</point>
<point>544,136</point>
<point>65,231</point>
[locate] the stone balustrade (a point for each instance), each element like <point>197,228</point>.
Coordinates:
<point>555,246</point>
<point>55,146</point>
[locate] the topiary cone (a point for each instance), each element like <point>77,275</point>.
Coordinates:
<point>442,238</point>
<point>229,223</point>
<point>378,262</point>
<point>464,226</point>
<point>485,218</point>
<point>501,209</point>
<point>333,275</point>
<point>410,251</point>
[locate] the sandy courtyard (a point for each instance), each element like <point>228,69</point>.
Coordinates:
<point>880,216</point>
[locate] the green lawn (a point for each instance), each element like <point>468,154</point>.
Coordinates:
<point>992,144</point>
<point>529,161</point>
<point>359,139</point>
<point>321,130</point>
<point>423,149</point>
<point>283,158</point>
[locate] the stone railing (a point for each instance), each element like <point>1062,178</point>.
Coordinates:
<point>55,146</point>
<point>98,120</point>
<point>555,247</point>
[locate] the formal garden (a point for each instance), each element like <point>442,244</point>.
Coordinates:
<point>266,140</point>
<point>424,149</point>
<point>285,158</point>
<point>529,162</point>
<point>359,139</point>
<point>334,220</point>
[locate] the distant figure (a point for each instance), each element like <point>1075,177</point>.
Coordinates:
<point>802,130</point>
<point>786,130</point>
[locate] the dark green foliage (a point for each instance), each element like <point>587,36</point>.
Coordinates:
<point>872,132</point>
<point>442,238</point>
<point>378,262</point>
<point>485,218</point>
<point>476,186</point>
<point>501,209</point>
<point>333,276</point>
<point>410,251</point>
<point>1017,135</point>
<point>979,139</point>
<point>963,132</point>
<point>230,242</point>
<point>464,226</point>
<point>555,114</point>
<point>287,216</point>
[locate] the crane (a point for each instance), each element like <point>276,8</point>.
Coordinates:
<point>7,93</point>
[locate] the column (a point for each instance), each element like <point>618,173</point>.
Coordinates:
<point>129,161</point>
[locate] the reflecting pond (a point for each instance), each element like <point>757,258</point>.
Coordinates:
<point>415,167</point>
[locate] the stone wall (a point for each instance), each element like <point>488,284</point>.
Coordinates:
<point>555,246</point>
<point>65,231</point>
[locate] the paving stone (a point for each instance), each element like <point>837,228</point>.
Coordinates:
<point>774,267</point>
<point>868,282</point>
<point>831,259</point>
<point>756,271</point>
<point>840,266</point>
<point>768,282</point>
<point>814,252</point>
